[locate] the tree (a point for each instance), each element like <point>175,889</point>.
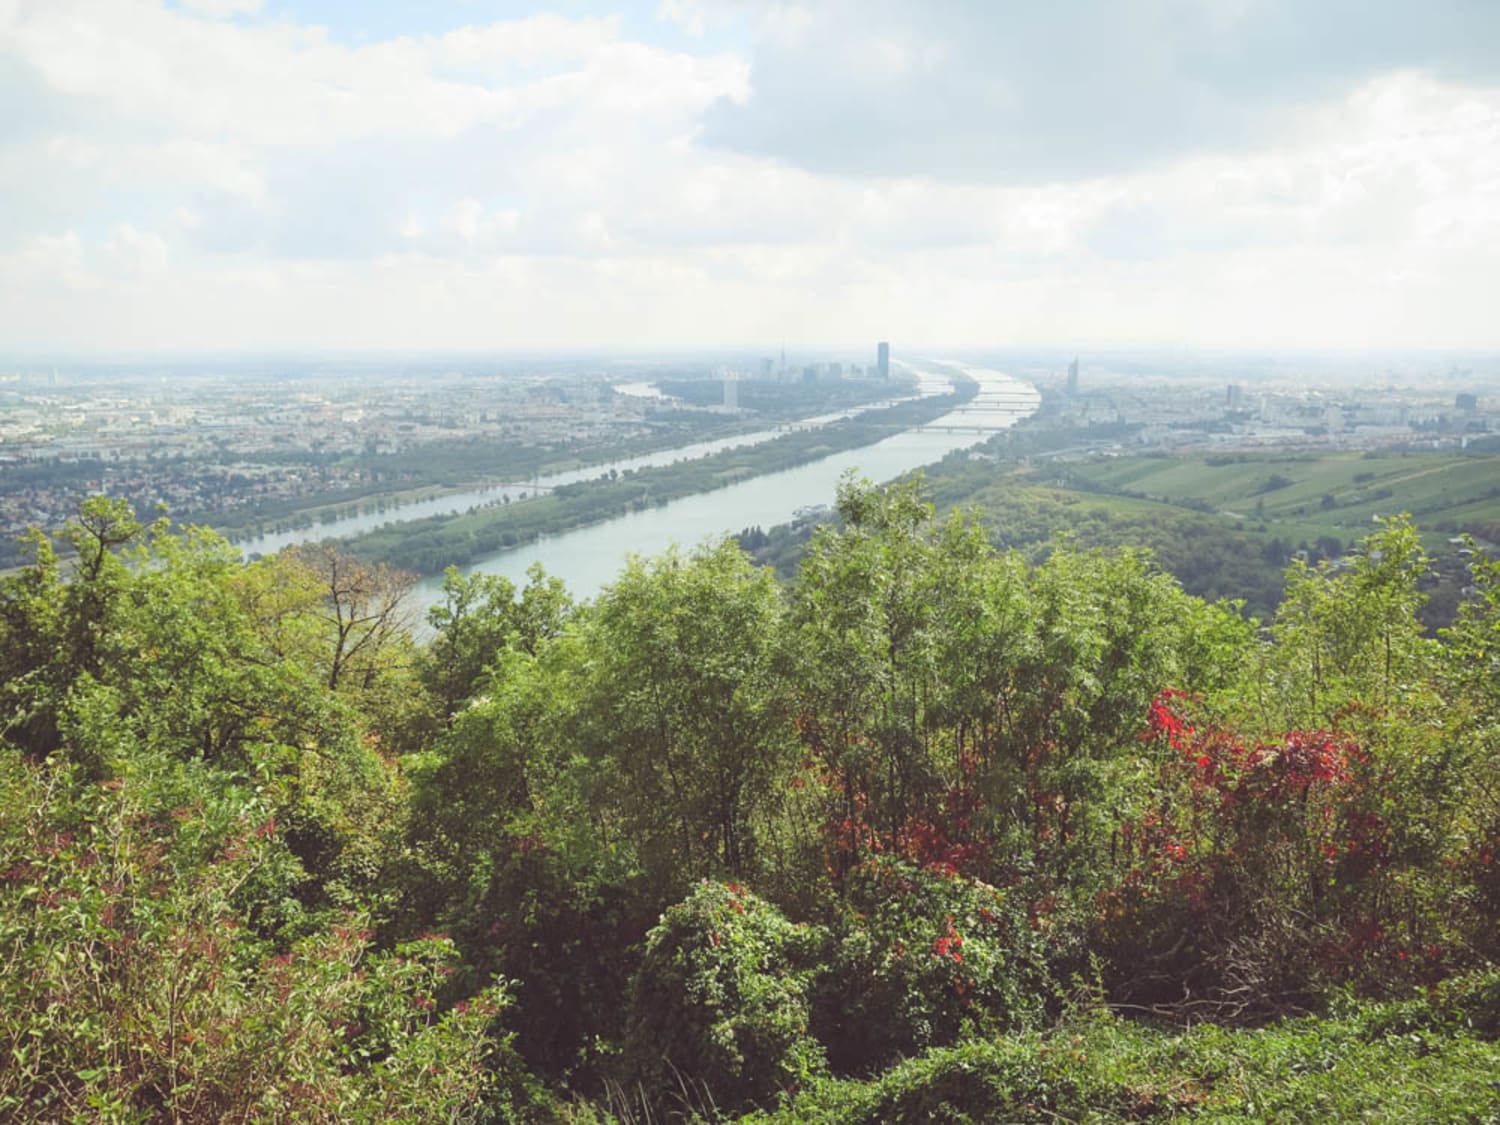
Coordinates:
<point>55,624</point>
<point>680,697</point>
<point>1471,678</point>
<point>861,644</point>
<point>364,610</point>
<point>479,616</point>
<point>962,706</point>
<point>1350,635</point>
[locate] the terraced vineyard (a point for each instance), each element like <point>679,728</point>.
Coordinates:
<point>1317,495</point>
<point>1227,526</point>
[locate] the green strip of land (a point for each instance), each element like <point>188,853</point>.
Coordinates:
<point>429,545</point>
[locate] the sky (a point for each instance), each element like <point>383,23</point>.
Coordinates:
<point>179,176</point>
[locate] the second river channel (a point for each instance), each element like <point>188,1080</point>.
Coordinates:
<point>588,558</point>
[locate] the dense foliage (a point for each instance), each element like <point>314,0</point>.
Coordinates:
<point>927,832</point>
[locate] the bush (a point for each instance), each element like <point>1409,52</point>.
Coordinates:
<point>1265,871</point>
<point>721,1000</point>
<point>135,990</point>
<point>1468,1004</point>
<point>922,957</point>
<point>1025,1079</point>
<point>1102,1068</point>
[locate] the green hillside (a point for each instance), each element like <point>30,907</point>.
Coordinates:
<point>1342,491</point>
<point>1228,526</point>
<point>934,830</point>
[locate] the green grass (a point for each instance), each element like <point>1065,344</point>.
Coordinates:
<point>1334,491</point>
<point>1409,1062</point>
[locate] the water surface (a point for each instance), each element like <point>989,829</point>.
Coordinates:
<point>588,558</point>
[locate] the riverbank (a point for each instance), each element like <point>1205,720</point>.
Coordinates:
<point>493,476</point>
<point>589,558</point>
<point>429,545</point>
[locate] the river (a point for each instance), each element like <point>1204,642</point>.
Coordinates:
<point>454,503</point>
<point>588,558</point>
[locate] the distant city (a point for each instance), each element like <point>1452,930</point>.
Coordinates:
<point>229,438</point>
<point>223,444</point>
<point>1201,413</point>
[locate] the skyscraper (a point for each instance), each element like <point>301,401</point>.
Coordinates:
<point>883,360</point>
<point>1073,376</point>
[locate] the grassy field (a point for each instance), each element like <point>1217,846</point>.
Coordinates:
<point>1329,494</point>
<point>1227,526</point>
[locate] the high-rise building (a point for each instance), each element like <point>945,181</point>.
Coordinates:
<point>1233,396</point>
<point>883,360</point>
<point>1073,376</point>
<point>1466,401</point>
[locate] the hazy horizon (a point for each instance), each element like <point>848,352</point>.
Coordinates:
<point>1483,365</point>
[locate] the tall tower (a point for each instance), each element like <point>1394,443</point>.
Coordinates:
<point>1073,376</point>
<point>883,359</point>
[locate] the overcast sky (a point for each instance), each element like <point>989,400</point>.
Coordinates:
<point>492,174</point>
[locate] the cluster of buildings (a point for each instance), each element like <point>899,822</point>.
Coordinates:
<point>179,487</point>
<point>1209,413</point>
<point>201,445</point>
<point>146,419</point>
<point>829,370</point>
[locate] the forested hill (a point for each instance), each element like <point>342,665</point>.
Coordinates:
<point>927,833</point>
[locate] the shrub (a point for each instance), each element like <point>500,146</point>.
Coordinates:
<point>721,1000</point>
<point>1102,1068</point>
<point>1025,1079</point>
<point>1468,1004</point>
<point>924,956</point>
<point>135,987</point>
<point>1264,871</point>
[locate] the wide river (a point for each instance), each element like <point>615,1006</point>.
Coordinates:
<point>590,557</point>
<point>372,515</point>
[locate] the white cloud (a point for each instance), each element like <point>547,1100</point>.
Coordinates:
<point>223,8</point>
<point>1016,93</point>
<point>129,252</point>
<point>45,260</point>
<point>686,14</point>
<point>186,182</point>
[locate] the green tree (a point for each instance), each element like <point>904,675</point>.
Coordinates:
<point>962,704</point>
<point>862,649</point>
<point>1350,635</point>
<point>137,986</point>
<point>1471,681</point>
<point>176,672</point>
<point>364,611</point>
<point>479,615</point>
<point>680,697</point>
